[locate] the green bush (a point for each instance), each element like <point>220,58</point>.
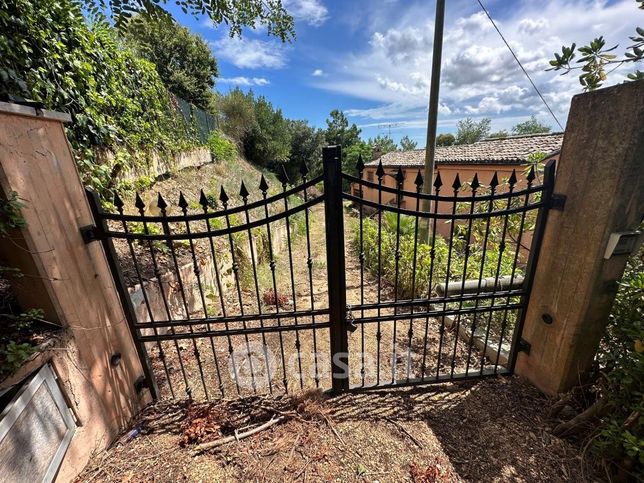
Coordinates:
<point>48,53</point>
<point>620,435</point>
<point>221,148</point>
<point>420,278</point>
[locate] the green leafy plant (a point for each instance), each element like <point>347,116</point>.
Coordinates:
<point>13,355</point>
<point>221,148</point>
<point>597,61</point>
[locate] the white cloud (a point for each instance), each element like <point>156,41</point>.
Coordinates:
<point>244,81</point>
<point>479,75</point>
<point>249,53</point>
<point>317,73</point>
<point>312,12</point>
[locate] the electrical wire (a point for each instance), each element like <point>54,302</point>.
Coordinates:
<point>520,65</point>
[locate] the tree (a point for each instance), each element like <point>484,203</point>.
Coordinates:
<point>499,134</point>
<point>407,144</point>
<point>268,142</point>
<point>352,153</point>
<point>306,148</point>
<point>233,13</point>
<point>596,58</point>
<point>531,126</point>
<point>385,143</point>
<point>182,59</point>
<point>238,112</point>
<point>470,131</point>
<point>338,130</point>
<point>446,139</point>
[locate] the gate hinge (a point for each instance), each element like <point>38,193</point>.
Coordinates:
<point>524,346</point>
<point>557,202</point>
<point>89,233</point>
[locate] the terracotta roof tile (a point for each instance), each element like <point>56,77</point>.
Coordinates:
<point>510,150</point>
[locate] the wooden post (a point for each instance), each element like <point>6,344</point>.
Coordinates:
<point>95,358</point>
<point>601,173</point>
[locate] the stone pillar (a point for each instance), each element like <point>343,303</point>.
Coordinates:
<point>601,172</point>
<point>70,280</point>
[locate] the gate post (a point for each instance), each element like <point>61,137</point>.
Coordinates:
<point>600,173</point>
<point>334,225</point>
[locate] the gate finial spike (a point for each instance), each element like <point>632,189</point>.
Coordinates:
<point>118,202</point>
<point>360,163</point>
<point>203,200</point>
<point>419,179</point>
<point>243,192</point>
<point>304,170</point>
<point>138,202</point>
<point>223,197</point>
<point>380,172</point>
<point>400,177</point>
<point>183,204</point>
<point>475,182</point>
<point>513,178</point>
<point>495,181</point>
<point>438,182</point>
<point>457,183</point>
<point>161,203</point>
<point>263,185</point>
<point>283,177</point>
<point>531,175</point>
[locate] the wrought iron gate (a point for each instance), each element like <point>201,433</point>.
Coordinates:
<point>251,296</point>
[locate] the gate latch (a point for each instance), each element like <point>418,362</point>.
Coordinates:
<point>351,320</point>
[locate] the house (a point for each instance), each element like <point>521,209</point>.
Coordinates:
<point>486,157</point>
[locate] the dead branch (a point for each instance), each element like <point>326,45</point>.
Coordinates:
<point>237,436</point>
<point>570,427</point>
<point>404,430</point>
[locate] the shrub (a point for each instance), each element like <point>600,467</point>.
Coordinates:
<point>620,434</point>
<point>117,100</point>
<point>221,148</point>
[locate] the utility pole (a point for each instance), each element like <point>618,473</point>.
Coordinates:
<point>432,115</point>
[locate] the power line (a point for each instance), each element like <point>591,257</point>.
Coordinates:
<point>520,65</point>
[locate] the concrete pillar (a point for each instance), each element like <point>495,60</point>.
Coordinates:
<point>69,279</point>
<point>601,172</point>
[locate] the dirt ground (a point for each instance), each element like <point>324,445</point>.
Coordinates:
<point>490,430</point>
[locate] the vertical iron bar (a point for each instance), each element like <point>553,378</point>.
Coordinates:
<point>290,263</point>
<point>432,256</point>
<point>535,248</point>
<point>121,289</point>
<point>263,186</point>
<point>334,216</point>
<point>309,263</point>
<point>119,205</point>
<point>197,271</point>
<point>514,268</point>
<point>203,201</point>
<point>380,172</point>
<point>498,271</point>
<point>224,200</point>
<point>399,186</point>
<point>456,186</point>
<point>166,230</point>
<point>360,167</point>
<point>244,195</point>
<point>141,207</point>
<point>474,186</point>
<point>410,333</point>
<point>493,185</point>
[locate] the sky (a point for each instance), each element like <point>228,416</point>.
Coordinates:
<point>372,59</point>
